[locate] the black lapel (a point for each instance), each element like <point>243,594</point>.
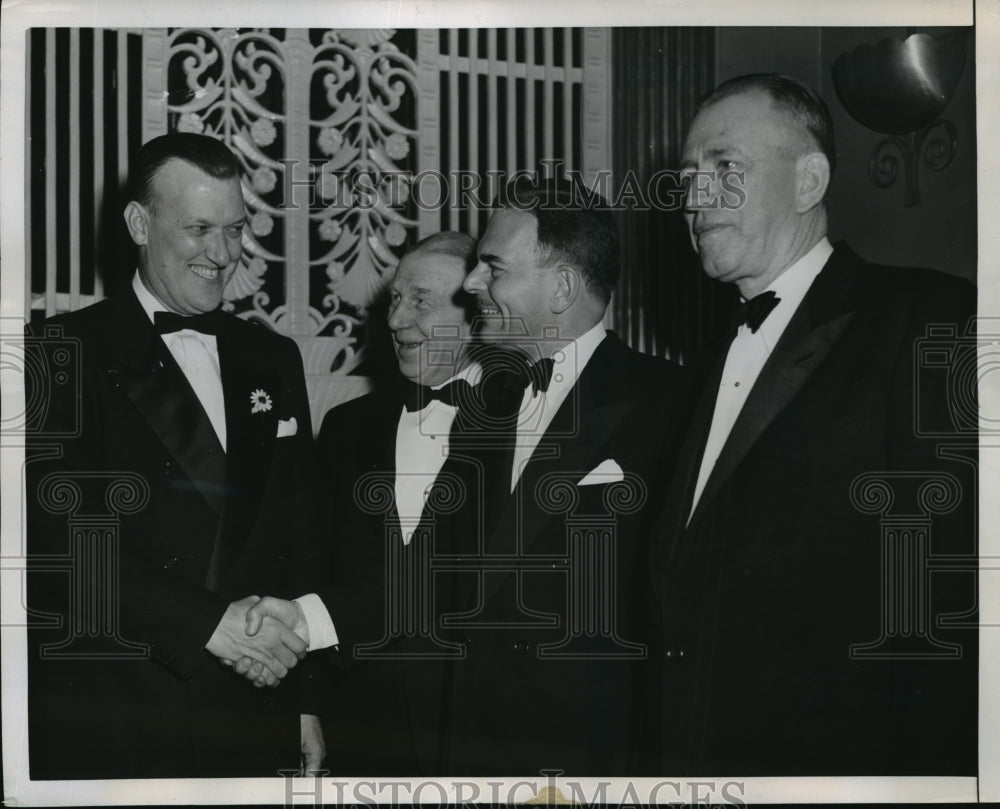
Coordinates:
<point>253,405</point>
<point>570,447</point>
<point>379,456</point>
<point>157,387</point>
<point>812,332</point>
<point>680,492</point>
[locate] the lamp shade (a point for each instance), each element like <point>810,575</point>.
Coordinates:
<point>899,86</point>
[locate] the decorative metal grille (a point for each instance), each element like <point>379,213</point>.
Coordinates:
<point>320,121</point>
<point>333,129</point>
<point>498,101</point>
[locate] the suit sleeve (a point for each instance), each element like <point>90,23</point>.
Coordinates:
<point>147,604</point>
<point>347,570</point>
<point>312,678</point>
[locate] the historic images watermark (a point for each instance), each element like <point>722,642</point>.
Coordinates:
<point>461,190</point>
<point>85,507</point>
<point>587,623</point>
<point>321,790</point>
<point>49,365</point>
<point>948,363</point>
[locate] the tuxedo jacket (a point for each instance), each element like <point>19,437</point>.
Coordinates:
<point>549,622</point>
<point>386,707</point>
<point>817,614</point>
<point>127,689</point>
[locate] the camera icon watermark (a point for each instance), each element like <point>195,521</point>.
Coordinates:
<point>49,367</point>
<point>951,363</point>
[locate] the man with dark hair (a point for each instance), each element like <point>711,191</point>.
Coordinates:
<point>800,630</point>
<point>553,639</point>
<point>211,156</point>
<point>204,418</point>
<point>574,223</point>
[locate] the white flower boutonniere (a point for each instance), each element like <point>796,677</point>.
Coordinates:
<point>260,402</point>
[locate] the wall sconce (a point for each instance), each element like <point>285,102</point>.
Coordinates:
<point>899,88</point>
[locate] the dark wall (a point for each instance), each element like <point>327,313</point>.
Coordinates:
<point>664,304</point>
<point>940,231</point>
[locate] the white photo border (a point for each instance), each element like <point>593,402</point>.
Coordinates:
<point>19,15</point>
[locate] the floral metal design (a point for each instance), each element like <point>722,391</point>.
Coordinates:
<point>366,79</point>
<point>321,123</point>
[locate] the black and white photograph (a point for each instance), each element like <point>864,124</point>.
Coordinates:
<point>499,402</point>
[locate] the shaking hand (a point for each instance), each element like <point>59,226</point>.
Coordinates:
<point>265,612</point>
<point>271,649</point>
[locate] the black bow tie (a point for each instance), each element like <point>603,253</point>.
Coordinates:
<point>454,393</point>
<point>755,311</point>
<point>538,375</point>
<point>206,323</point>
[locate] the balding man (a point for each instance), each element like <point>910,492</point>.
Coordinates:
<point>385,490</point>
<point>785,649</point>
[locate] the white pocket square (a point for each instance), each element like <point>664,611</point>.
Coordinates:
<point>287,428</point>
<point>605,472</point>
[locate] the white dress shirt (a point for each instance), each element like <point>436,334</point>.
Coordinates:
<point>197,355</point>
<point>421,450</point>
<point>749,352</point>
<point>539,408</point>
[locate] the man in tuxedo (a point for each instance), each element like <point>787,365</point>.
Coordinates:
<point>801,632</point>
<point>166,480</point>
<point>538,559</point>
<point>553,638</point>
<point>393,486</point>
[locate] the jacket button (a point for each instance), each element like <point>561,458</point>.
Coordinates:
<point>675,654</point>
<point>170,563</point>
<point>520,647</point>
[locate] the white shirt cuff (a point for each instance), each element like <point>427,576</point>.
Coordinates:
<point>322,633</point>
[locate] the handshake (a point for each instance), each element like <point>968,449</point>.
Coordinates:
<point>261,638</point>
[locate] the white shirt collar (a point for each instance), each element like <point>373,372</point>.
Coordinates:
<point>151,305</point>
<point>437,412</point>
<point>791,287</point>
<point>471,373</point>
<point>149,302</point>
<point>570,360</point>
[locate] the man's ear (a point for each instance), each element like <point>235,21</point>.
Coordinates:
<point>568,287</point>
<point>137,222</point>
<point>813,176</point>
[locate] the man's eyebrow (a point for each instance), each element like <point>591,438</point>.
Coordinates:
<point>198,221</point>
<point>414,289</point>
<point>491,258</point>
<point>724,151</point>
<point>712,154</point>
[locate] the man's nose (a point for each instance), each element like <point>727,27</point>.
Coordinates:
<point>222,250</point>
<point>475,281</point>
<point>702,191</point>
<point>397,316</point>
